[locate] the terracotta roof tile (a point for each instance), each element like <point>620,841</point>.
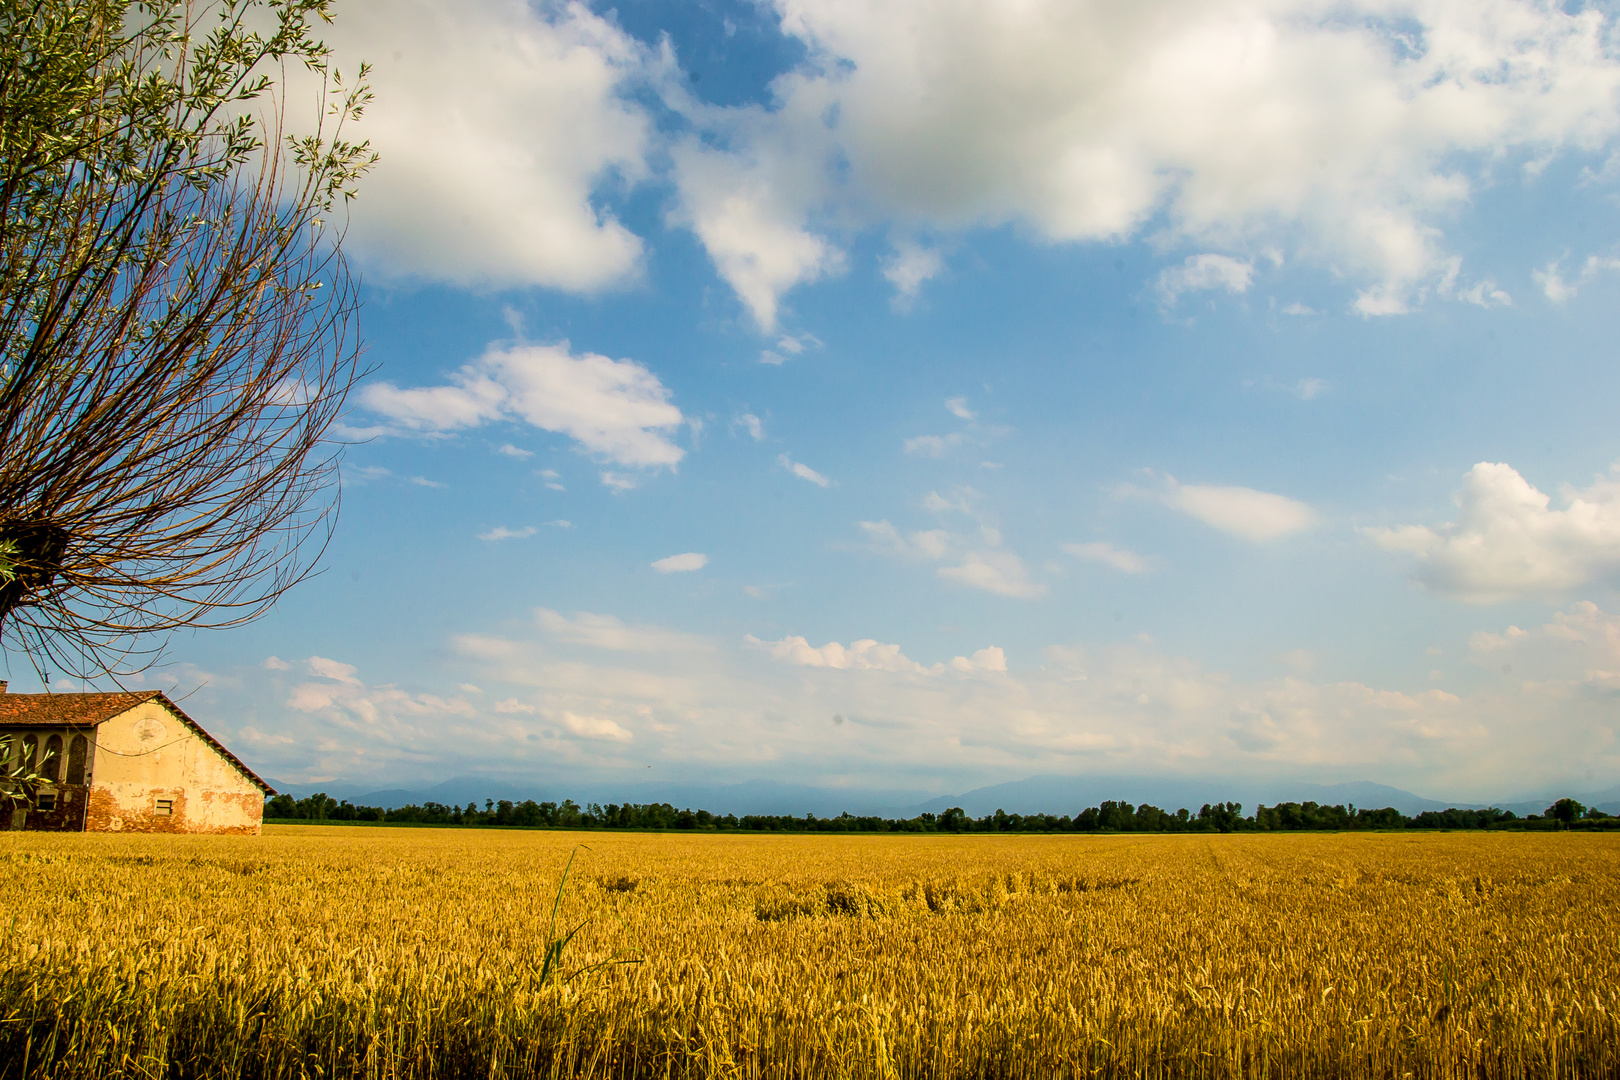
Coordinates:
<point>79,710</point>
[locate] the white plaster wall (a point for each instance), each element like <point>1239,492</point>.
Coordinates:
<point>148,754</point>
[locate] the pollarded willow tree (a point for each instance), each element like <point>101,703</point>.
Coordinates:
<point>177,323</point>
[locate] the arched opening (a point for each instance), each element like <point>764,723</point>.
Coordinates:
<point>50,767</point>
<point>77,751</point>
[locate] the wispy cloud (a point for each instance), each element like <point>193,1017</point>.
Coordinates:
<point>804,472</point>
<point>1120,559</point>
<point>501,532</point>
<point>1240,511</point>
<point>681,564</point>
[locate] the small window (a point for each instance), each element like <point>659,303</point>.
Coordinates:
<point>46,801</point>
<point>165,808</point>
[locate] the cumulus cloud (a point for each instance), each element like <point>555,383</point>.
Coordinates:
<point>1508,542</point>
<point>680,564</point>
<point>562,703</point>
<point>1200,273</point>
<point>499,124</point>
<point>1348,134</point>
<point>617,410</point>
<point>751,424</point>
<point>1120,559</point>
<point>743,207</point>
<point>341,695</point>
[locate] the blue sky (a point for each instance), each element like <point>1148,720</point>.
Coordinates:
<point>930,395</point>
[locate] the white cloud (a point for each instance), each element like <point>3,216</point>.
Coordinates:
<point>751,424</point>
<point>1296,308</point>
<point>508,450</point>
<point>1310,388</point>
<point>1350,133</point>
<point>958,502</point>
<point>796,344</point>
<point>980,561</point>
<point>930,544</point>
<point>1558,290</point>
<point>790,345</point>
<point>1541,710</point>
<point>934,445</point>
<point>680,564</point>
<point>871,655</point>
<point>275,663</point>
<point>1241,511</point>
<point>804,472</point>
<point>551,479</point>
<point>1120,559</point>
<point>910,267</point>
<point>743,207</point>
<point>1553,284</point>
<point>958,407</point>
<point>616,410</point>
<point>595,727</point>
<point>608,633</point>
<point>1508,543</point>
<point>498,124</point>
<point>999,572</point>
<point>501,532</point>
<point>1204,272</point>
<point>332,669</point>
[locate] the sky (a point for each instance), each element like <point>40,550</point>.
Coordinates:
<point>928,395</point>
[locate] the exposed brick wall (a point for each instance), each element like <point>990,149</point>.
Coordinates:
<point>104,814</point>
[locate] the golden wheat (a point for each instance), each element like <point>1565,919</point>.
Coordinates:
<point>335,952</point>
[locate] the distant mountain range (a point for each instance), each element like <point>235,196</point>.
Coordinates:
<point>1038,794</point>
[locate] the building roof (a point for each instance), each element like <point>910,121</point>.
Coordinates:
<point>90,710</point>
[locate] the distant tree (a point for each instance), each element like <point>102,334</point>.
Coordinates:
<point>1565,810</point>
<point>176,318</point>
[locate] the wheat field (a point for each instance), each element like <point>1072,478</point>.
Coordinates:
<point>347,952</point>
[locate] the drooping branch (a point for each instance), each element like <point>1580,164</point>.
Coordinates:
<point>178,327</point>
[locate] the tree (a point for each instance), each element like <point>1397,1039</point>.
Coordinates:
<point>1565,810</point>
<point>177,329</point>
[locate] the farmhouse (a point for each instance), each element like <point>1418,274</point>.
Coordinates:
<point>128,762</point>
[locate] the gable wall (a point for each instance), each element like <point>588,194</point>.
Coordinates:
<point>147,754</point>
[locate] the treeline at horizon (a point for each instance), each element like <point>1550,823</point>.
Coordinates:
<point>1107,817</point>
